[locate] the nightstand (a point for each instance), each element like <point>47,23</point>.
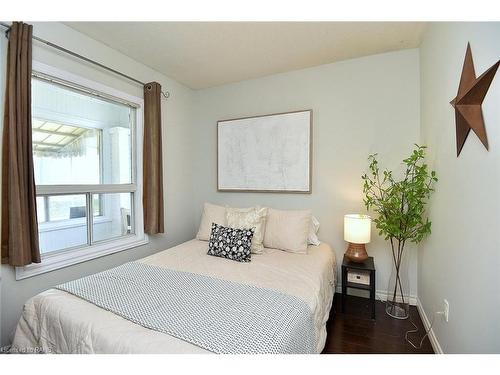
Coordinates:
<point>362,277</point>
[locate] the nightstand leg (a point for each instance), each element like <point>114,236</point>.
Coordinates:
<point>372,292</point>
<point>344,287</point>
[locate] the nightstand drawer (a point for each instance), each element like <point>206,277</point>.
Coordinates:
<point>358,277</point>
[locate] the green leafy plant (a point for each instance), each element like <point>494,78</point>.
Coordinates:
<point>400,203</point>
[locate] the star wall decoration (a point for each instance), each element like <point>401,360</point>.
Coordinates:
<point>467,103</point>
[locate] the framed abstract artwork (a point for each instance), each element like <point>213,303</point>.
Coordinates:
<point>269,153</point>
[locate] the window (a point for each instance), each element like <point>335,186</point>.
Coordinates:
<point>87,166</point>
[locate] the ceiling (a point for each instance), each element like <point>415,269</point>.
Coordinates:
<point>207,54</point>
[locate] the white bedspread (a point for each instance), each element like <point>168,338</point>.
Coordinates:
<point>59,322</point>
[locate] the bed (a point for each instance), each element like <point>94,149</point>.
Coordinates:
<point>56,321</point>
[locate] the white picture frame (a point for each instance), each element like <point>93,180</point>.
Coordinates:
<point>268,153</point>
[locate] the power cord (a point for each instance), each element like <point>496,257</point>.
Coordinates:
<point>379,297</point>
<point>416,330</point>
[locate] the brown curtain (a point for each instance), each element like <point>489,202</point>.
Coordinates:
<point>19,220</point>
<point>152,160</point>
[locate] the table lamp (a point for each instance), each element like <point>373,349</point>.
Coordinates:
<point>357,231</point>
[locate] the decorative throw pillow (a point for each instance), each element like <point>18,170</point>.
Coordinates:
<point>230,243</point>
<point>211,214</point>
<point>287,230</point>
<point>313,239</point>
<point>254,217</point>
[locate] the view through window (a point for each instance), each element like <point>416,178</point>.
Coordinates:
<point>84,166</point>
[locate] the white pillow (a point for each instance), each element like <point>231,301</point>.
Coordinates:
<point>247,218</point>
<point>313,239</point>
<point>211,214</point>
<point>287,230</point>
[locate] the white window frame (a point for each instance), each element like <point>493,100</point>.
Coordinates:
<point>64,258</point>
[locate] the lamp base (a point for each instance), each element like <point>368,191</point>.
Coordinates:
<point>356,252</point>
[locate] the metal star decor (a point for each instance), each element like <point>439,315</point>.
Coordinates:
<point>467,103</point>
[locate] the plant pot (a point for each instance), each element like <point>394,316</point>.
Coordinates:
<point>398,290</point>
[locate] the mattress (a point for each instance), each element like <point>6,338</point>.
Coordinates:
<point>58,322</point>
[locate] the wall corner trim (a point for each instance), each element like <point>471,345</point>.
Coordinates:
<point>432,336</point>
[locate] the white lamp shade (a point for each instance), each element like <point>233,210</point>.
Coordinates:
<point>357,228</point>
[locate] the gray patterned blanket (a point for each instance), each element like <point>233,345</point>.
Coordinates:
<point>217,315</point>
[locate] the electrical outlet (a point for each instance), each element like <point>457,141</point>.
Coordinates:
<point>446,310</point>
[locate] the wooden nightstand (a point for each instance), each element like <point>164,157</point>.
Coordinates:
<point>368,268</point>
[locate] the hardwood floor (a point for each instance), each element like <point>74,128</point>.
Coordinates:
<point>354,331</point>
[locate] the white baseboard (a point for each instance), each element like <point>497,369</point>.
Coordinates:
<point>426,322</point>
<point>381,295</point>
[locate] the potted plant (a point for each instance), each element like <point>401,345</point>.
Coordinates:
<point>400,208</point>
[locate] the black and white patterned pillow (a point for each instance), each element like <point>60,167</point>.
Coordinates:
<point>230,243</point>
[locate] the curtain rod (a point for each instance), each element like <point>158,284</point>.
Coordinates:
<point>165,94</point>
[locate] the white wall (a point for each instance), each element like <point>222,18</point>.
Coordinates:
<point>460,261</point>
<point>360,106</point>
<point>180,225</point>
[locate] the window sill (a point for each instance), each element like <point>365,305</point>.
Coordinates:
<point>52,262</point>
